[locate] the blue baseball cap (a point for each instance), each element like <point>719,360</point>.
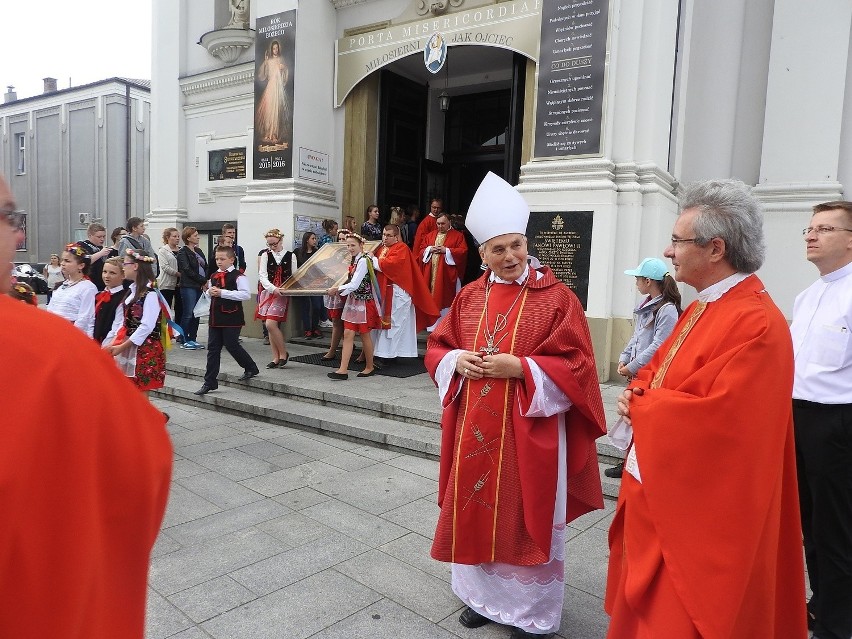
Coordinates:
<point>651,267</point>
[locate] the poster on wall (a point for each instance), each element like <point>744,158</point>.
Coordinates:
<point>226,164</point>
<point>273,96</point>
<point>571,78</point>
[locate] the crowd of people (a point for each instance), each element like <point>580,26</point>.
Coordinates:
<point>736,428</point>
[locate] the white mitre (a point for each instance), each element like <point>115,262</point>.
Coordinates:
<point>496,209</point>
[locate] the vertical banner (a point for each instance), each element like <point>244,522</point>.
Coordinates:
<point>273,95</point>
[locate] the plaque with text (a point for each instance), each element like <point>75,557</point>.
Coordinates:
<point>563,241</point>
<point>571,78</point>
<point>226,164</point>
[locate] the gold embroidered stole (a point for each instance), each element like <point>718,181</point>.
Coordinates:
<point>482,427</point>
<point>436,259</point>
<point>697,310</point>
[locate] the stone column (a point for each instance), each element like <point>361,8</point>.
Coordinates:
<point>168,176</point>
<point>808,73</point>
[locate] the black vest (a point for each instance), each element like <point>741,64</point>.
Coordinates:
<point>285,268</point>
<point>105,313</point>
<point>226,313</point>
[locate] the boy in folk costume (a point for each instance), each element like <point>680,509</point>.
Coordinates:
<point>228,290</point>
<point>109,299</point>
<point>516,375</point>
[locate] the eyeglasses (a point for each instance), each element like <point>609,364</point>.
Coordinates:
<point>689,240</point>
<point>822,228</point>
<point>16,219</point>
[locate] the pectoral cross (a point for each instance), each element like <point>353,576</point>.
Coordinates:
<point>489,348</point>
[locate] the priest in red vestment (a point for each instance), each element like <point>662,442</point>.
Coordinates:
<point>706,540</point>
<point>85,463</point>
<point>516,375</point>
<point>443,255</point>
<point>407,304</point>
<point>427,225</point>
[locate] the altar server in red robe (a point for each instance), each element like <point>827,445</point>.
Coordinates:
<point>522,409</point>
<point>706,540</point>
<point>83,487</point>
<point>408,306</point>
<point>443,255</point>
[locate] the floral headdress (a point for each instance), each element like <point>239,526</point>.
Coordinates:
<point>273,233</point>
<point>76,249</point>
<point>24,292</point>
<point>138,256</point>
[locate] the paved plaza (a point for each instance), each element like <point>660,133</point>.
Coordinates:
<point>273,532</point>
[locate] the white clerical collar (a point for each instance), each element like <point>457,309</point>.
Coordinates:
<point>843,271</point>
<point>717,290</point>
<point>523,278</point>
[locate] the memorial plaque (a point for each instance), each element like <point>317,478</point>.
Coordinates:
<point>563,241</point>
<point>226,164</point>
<point>571,78</point>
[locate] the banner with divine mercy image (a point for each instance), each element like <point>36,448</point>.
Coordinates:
<point>274,62</point>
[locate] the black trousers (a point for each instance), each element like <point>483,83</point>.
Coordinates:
<point>229,338</point>
<point>824,466</point>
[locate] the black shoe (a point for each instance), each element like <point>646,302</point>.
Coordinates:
<point>616,471</point>
<point>370,374</point>
<point>338,376</point>
<point>248,375</point>
<point>272,365</point>
<point>205,389</point>
<point>469,618</point>
<point>517,633</point>
<point>284,361</point>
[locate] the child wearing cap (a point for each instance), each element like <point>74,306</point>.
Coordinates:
<point>653,321</point>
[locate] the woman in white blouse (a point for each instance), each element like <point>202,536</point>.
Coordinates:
<point>53,273</point>
<point>75,298</point>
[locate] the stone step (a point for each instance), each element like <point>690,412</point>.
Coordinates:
<point>237,398</point>
<point>337,397</point>
<point>325,393</point>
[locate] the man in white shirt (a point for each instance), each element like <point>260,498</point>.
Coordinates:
<point>822,412</point>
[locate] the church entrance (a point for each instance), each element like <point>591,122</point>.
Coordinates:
<point>424,152</point>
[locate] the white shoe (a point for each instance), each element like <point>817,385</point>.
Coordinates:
<point>326,324</point>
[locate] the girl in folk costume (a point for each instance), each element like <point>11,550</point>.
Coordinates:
<point>333,309</point>
<point>276,266</point>
<point>361,312</point>
<point>138,329</point>
<point>109,299</point>
<point>75,298</point>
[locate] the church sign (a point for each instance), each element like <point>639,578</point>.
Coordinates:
<point>510,25</point>
<point>571,78</point>
<point>563,241</point>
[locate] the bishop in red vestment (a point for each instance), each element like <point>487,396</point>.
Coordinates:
<point>522,409</point>
<point>706,540</point>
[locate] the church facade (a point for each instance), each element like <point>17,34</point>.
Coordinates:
<point>282,113</point>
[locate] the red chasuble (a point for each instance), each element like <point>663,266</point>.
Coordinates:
<point>85,463</point>
<point>426,226</point>
<point>497,484</point>
<point>398,267</point>
<point>710,544</point>
<point>445,282</point>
